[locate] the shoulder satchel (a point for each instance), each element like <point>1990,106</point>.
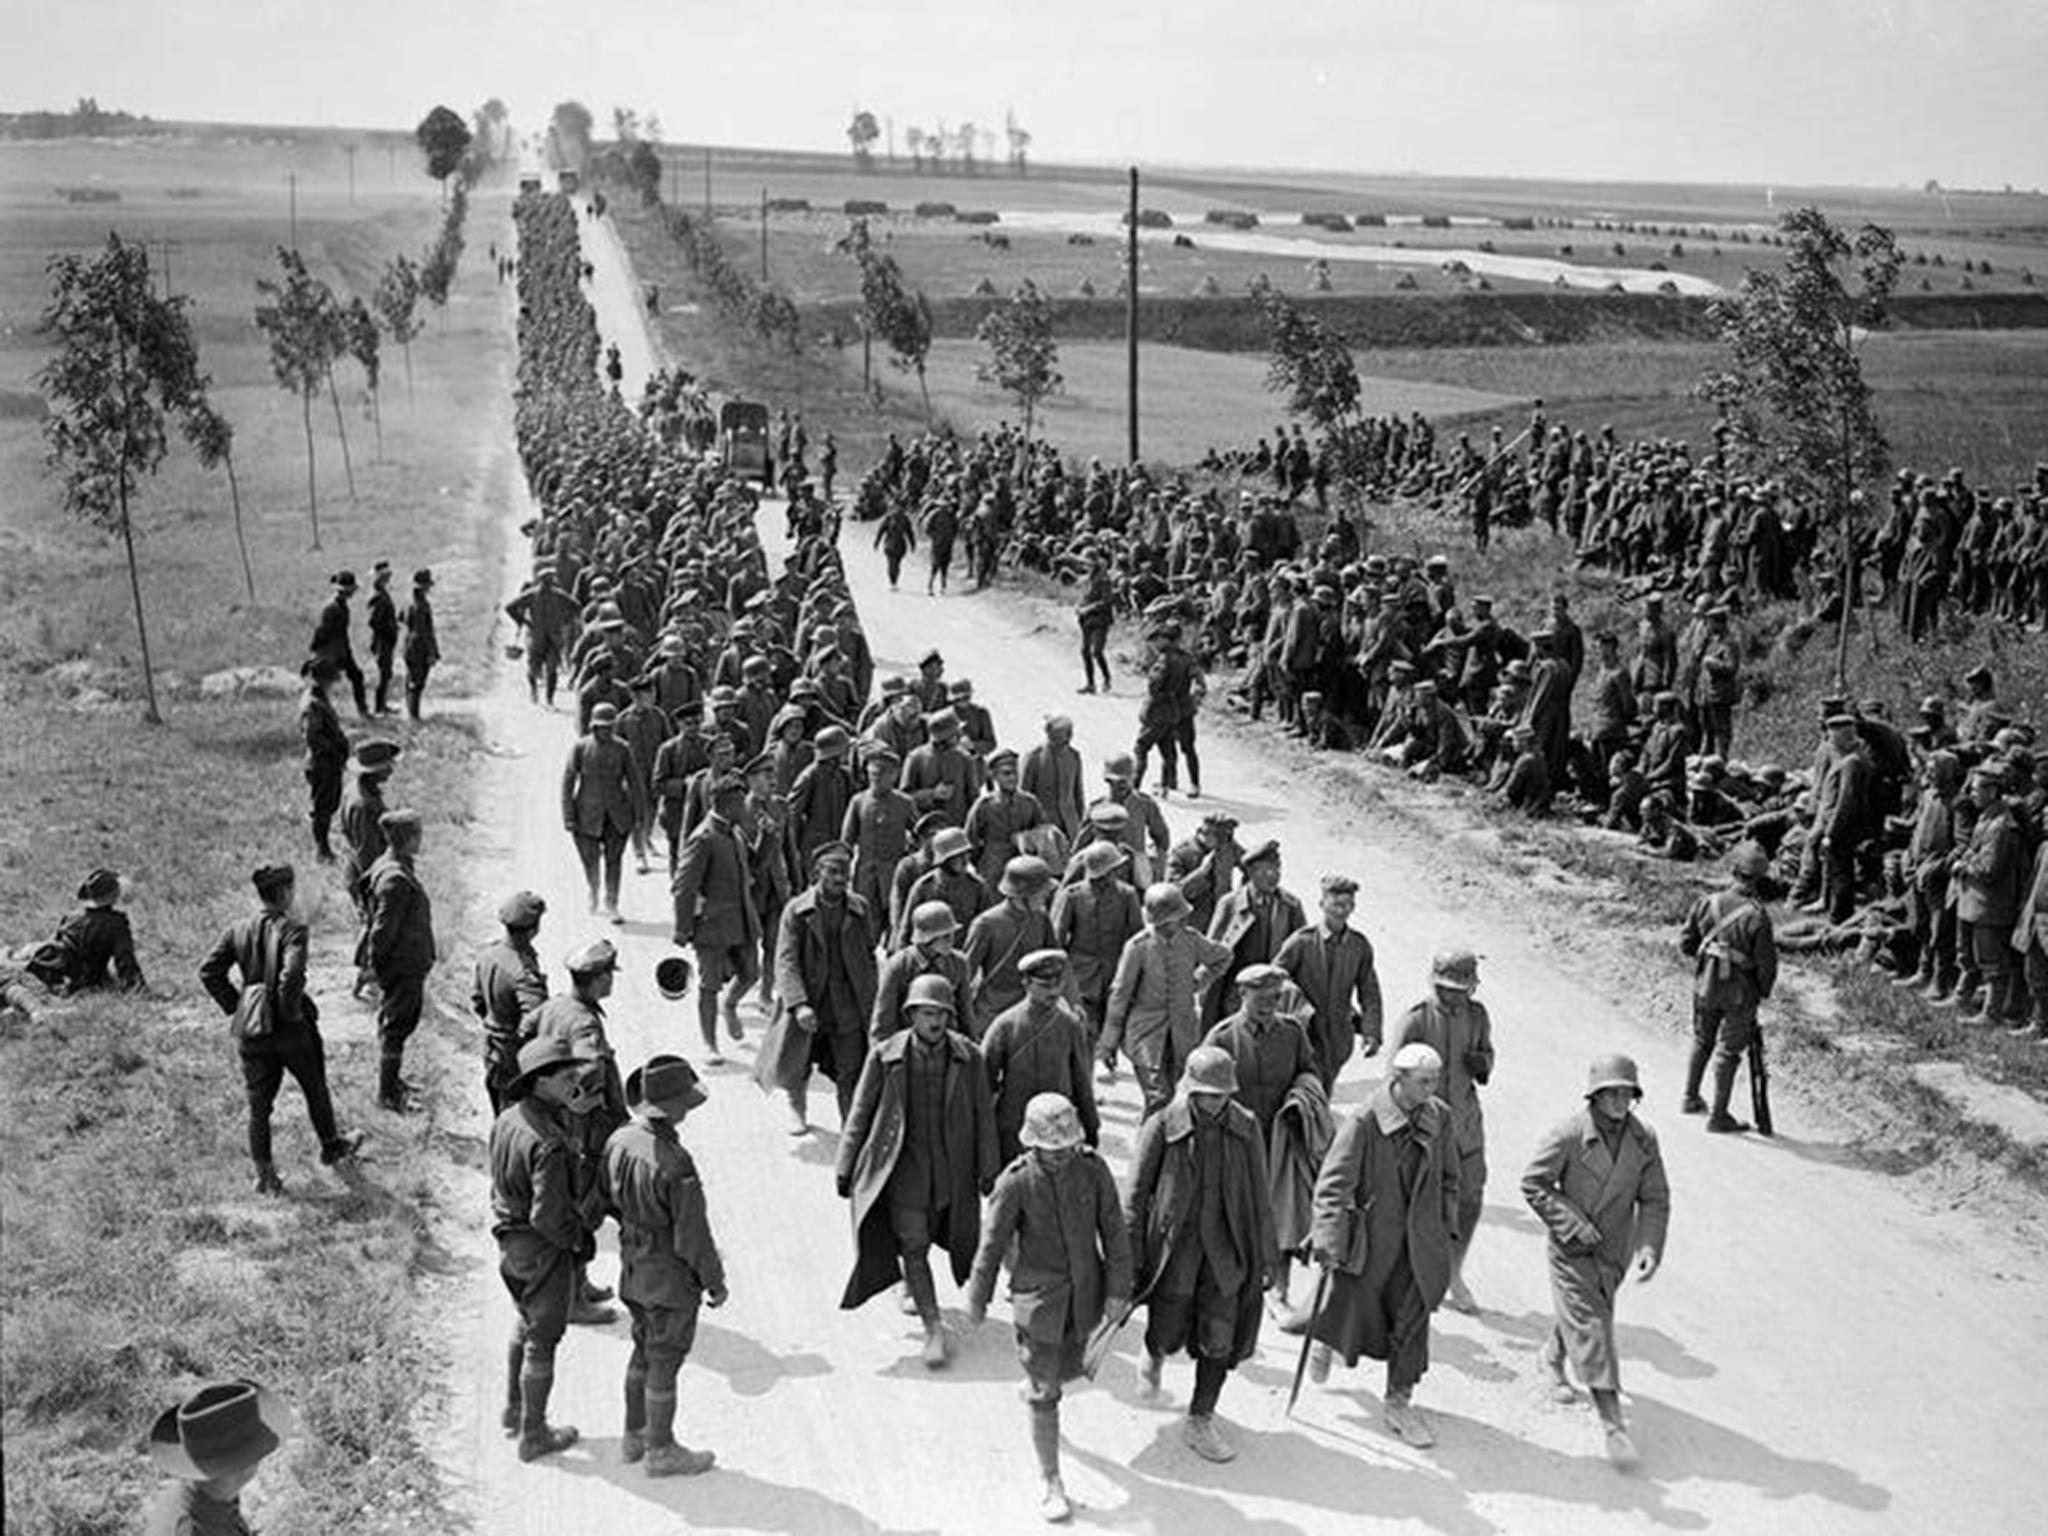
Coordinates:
<point>255,1015</point>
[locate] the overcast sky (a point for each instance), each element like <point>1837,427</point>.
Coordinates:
<point>1874,92</point>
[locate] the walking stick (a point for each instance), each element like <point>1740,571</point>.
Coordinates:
<point>1759,1086</point>
<point>1308,1340</point>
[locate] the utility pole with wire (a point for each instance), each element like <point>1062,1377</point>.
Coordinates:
<point>1131,319</point>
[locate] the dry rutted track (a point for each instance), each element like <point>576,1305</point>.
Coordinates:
<point>1821,1353</point>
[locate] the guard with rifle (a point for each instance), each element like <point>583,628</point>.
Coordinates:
<point>1734,950</point>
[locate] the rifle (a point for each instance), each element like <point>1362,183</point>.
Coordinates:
<point>1759,1086</point>
<point>1308,1339</point>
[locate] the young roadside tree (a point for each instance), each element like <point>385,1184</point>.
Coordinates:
<point>213,440</point>
<point>1793,396</point>
<point>444,139</point>
<point>397,301</point>
<point>295,320</point>
<point>1023,358</point>
<point>1020,143</point>
<point>125,363</point>
<point>335,345</point>
<point>890,309</point>
<point>861,133</point>
<point>1311,365</point>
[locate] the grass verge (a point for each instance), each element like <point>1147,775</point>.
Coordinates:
<point>138,1261</point>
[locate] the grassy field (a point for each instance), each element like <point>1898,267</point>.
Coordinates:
<point>1189,400</point>
<point>138,1262</point>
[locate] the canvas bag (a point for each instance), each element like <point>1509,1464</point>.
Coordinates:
<point>255,1016</point>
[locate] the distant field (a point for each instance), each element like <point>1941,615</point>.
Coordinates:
<point>1189,401</point>
<point>1685,229</point>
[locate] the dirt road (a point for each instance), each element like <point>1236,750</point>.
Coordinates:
<point>1821,1353</point>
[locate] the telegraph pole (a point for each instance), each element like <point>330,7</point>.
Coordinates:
<point>291,182</point>
<point>764,234</point>
<point>349,151</point>
<point>1131,319</point>
<point>707,182</point>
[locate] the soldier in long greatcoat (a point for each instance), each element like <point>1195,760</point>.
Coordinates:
<point>917,1155</point>
<point>1597,1182</point>
<point>1386,1212</point>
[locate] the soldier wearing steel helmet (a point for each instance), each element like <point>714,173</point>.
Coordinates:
<point>1200,1215</point>
<point>1055,1191</point>
<point>1456,1025</point>
<point>1597,1183</point>
<point>1729,935</point>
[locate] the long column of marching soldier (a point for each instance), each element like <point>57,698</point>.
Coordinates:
<point>962,940</point>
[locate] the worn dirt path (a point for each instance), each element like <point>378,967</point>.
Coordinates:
<point>1823,1352</point>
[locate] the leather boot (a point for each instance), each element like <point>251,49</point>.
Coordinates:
<point>267,1181</point>
<point>515,1361</point>
<point>665,1458</point>
<point>537,1438</point>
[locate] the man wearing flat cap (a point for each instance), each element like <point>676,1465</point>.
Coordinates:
<point>1253,921</point>
<point>399,949</point>
<point>1597,1183</point>
<point>1039,1045</point>
<point>540,1218</point>
<point>212,1445</point>
<point>825,981</point>
<point>1333,966</point>
<point>999,815</point>
<point>669,1264</point>
<point>268,952</point>
<point>1051,772</point>
<point>1386,1223</point>
<point>878,829</point>
<point>1202,1238</point>
<point>577,1019</point>
<point>601,805</point>
<point>1055,1222</point>
<point>509,987</point>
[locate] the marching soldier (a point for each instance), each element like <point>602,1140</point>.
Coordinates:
<point>1386,1213</point>
<point>1332,965</point>
<point>1035,1046</point>
<point>825,979</point>
<point>917,1155</point>
<point>1202,1238</point>
<point>1057,1203</point>
<point>1597,1182</point>
<point>930,952</point>
<point>1456,1026</point>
